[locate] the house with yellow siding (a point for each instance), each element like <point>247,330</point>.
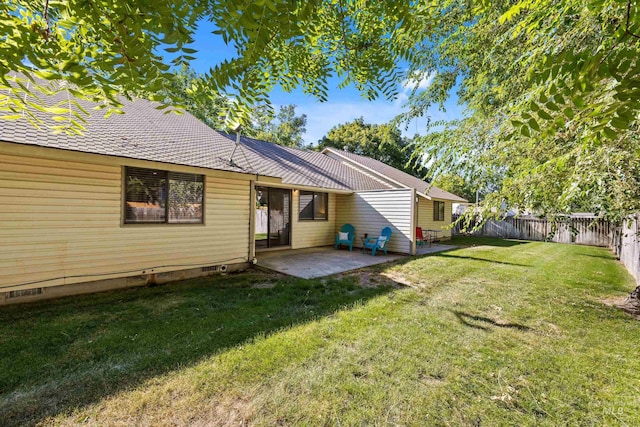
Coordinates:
<point>149,197</point>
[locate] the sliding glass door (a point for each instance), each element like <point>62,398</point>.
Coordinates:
<point>273,217</point>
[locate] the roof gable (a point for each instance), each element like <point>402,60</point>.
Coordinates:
<point>393,175</point>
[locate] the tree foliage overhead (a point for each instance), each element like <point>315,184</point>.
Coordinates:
<point>108,48</point>
<point>183,87</point>
<point>381,142</point>
<point>285,128</point>
<point>552,86</point>
<point>553,95</point>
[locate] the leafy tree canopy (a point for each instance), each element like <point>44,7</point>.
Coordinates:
<point>553,95</point>
<point>287,128</point>
<point>381,142</point>
<point>184,85</point>
<point>552,86</point>
<point>457,185</point>
<point>109,48</point>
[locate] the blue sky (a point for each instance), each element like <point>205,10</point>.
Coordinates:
<point>343,105</point>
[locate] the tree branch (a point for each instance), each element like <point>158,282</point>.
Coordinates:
<point>344,36</point>
<point>45,15</point>
<point>626,30</point>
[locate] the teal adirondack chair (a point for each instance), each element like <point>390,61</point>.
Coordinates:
<point>351,231</point>
<point>378,243</point>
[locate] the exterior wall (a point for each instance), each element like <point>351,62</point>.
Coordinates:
<point>425,217</point>
<point>307,234</point>
<point>61,221</point>
<point>369,212</point>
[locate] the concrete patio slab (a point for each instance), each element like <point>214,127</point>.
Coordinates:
<point>312,263</point>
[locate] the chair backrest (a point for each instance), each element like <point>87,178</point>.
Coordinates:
<point>419,235</point>
<point>348,228</point>
<point>386,232</point>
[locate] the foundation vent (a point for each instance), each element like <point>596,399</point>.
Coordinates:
<point>25,293</point>
<point>211,268</point>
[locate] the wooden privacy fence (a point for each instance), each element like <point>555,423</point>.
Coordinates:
<point>624,240</point>
<point>580,230</point>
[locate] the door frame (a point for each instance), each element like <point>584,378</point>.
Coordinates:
<point>256,188</point>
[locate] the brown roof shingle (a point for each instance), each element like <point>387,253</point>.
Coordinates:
<point>146,133</point>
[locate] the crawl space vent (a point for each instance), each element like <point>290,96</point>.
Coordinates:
<point>25,293</point>
<point>222,268</point>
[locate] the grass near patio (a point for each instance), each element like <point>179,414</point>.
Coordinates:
<point>501,333</point>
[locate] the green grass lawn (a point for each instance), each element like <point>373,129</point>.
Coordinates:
<point>496,333</point>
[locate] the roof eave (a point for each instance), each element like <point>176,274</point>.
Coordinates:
<point>303,187</point>
<point>366,167</point>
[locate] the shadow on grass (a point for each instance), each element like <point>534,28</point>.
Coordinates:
<point>471,258</point>
<point>486,241</point>
<point>608,256</point>
<point>56,356</point>
<point>479,322</point>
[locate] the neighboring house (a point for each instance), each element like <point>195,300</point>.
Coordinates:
<point>151,197</point>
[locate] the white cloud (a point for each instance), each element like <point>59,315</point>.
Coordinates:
<point>418,81</point>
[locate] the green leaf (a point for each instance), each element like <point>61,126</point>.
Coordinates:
<point>551,106</point>
<point>544,115</point>
<point>610,133</point>
<point>568,112</point>
<point>619,123</point>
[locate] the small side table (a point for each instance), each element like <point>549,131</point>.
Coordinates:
<point>363,239</point>
<point>433,236</point>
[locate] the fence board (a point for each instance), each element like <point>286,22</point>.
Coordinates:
<point>590,231</point>
<point>625,242</point>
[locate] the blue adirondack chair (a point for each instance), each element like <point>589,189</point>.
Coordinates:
<point>378,243</point>
<point>347,228</point>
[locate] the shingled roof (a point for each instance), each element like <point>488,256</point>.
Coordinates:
<point>146,133</point>
<point>395,175</point>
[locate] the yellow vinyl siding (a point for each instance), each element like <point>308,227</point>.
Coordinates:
<point>369,212</point>
<point>312,233</point>
<point>61,216</point>
<point>425,216</point>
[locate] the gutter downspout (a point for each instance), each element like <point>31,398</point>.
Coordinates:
<point>414,221</point>
<point>252,223</point>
